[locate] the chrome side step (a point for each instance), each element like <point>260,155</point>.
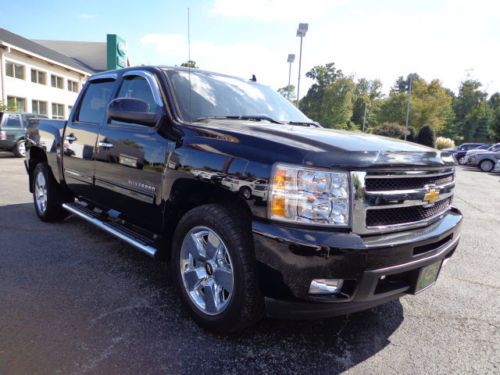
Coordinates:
<point>149,250</point>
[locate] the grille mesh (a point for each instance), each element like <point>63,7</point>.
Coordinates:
<point>402,215</point>
<point>386,184</point>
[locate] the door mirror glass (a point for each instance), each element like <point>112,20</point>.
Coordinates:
<point>131,110</point>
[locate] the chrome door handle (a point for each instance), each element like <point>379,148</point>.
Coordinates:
<point>106,144</point>
<point>71,138</point>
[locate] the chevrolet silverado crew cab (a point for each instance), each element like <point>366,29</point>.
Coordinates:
<point>259,210</point>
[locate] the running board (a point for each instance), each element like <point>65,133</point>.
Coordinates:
<point>149,250</point>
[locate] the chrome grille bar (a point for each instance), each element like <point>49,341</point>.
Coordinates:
<point>405,199</point>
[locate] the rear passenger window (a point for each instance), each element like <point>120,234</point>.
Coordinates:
<point>138,88</point>
<point>95,101</point>
<point>13,121</point>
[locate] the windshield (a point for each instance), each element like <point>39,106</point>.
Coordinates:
<point>215,95</point>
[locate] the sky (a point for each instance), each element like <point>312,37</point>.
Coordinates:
<point>451,40</point>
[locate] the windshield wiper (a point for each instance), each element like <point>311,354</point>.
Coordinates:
<point>245,117</point>
<point>304,123</point>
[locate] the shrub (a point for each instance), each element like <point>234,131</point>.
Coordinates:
<point>412,134</point>
<point>442,142</point>
<point>390,129</point>
<point>426,136</point>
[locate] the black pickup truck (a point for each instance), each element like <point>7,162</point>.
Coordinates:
<point>259,210</point>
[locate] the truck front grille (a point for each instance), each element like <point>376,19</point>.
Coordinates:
<point>392,200</point>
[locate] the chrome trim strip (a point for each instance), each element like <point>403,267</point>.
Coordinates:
<point>153,83</point>
<point>377,205</point>
<point>103,76</point>
<point>449,185</point>
<point>149,250</point>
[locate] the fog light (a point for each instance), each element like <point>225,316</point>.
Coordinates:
<point>326,286</point>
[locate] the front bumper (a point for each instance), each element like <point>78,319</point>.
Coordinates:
<point>377,268</point>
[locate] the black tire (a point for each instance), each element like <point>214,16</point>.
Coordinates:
<point>20,149</point>
<point>53,210</point>
<point>246,305</point>
<point>487,165</point>
<point>461,160</point>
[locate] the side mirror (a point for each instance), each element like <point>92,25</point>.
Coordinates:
<point>131,110</point>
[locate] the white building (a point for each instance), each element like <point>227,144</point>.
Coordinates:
<point>38,79</point>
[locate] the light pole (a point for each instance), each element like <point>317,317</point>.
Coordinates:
<point>301,32</point>
<point>410,79</point>
<point>291,59</point>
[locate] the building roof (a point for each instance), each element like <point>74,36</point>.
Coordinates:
<point>90,54</point>
<point>40,50</point>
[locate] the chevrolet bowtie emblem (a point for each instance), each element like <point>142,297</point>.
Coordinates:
<point>431,196</point>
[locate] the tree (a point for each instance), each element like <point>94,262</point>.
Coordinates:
<point>288,92</point>
<point>494,128</point>
<point>190,64</point>
<point>367,97</point>
<point>2,107</point>
<point>430,103</point>
<point>323,76</point>
<point>390,129</point>
<point>473,114</point>
<point>337,104</point>
<point>426,136</point>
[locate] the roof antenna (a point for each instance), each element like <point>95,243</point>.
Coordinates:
<point>189,62</point>
<point>254,78</point>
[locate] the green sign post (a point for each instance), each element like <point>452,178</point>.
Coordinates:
<point>116,52</point>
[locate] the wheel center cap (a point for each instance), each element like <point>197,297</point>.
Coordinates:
<point>209,269</point>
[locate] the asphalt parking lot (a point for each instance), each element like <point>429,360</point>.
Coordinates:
<point>74,300</point>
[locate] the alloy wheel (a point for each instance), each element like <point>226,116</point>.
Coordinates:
<point>41,192</point>
<point>207,271</point>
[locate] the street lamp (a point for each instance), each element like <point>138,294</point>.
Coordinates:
<point>301,32</point>
<point>291,59</point>
<point>410,79</point>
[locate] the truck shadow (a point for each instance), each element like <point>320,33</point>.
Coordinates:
<point>146,310</point>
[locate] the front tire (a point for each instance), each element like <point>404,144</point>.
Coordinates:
<point>486,165</point>
<point>20,149</point>
<point>46,195</point>
<point>215,269</point>
<point>461,160</point>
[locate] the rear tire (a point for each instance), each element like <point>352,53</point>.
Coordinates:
<point>487,165</point>
<point>47,196</point>
<point>20,149</point>
<point>461,160</point>
<point>215,269</point>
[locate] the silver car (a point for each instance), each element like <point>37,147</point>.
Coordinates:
<point>486,160</point>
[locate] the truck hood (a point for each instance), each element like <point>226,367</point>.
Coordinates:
<point>337,148</point>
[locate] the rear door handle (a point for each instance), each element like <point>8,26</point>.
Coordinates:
<point>106,144</point>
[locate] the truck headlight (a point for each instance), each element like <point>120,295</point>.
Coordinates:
<point>310,196</point>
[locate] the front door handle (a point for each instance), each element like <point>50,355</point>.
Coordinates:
<point>71,138</point>
<point>106,144</point>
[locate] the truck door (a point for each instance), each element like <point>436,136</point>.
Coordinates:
<point>130,159</point>
<point>80,137</point>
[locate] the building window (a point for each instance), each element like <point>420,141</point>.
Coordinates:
<point>16,104</point>
<point>72,85</point>
<point>58,111</point>
<point>56,81</point>
<point>14,70</point>
<point>39,107</point>
<point>38,77</point>
<point>70,108</point>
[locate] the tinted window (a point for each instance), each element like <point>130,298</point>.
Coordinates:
<point>95,101</point>
<point>13,121</point>
<point>138,88</point>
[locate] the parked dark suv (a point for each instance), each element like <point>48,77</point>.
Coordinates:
<point>12,128</point>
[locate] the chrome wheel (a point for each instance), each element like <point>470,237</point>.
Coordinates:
<point>206,270</point>
<point>21,148</point>
<point>41,193</point>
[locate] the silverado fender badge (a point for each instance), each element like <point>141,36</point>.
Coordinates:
<point>432,195</point>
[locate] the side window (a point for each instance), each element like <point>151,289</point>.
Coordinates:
<point>95,101</point>
<point>138,88</point>
<point>13,121</point>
